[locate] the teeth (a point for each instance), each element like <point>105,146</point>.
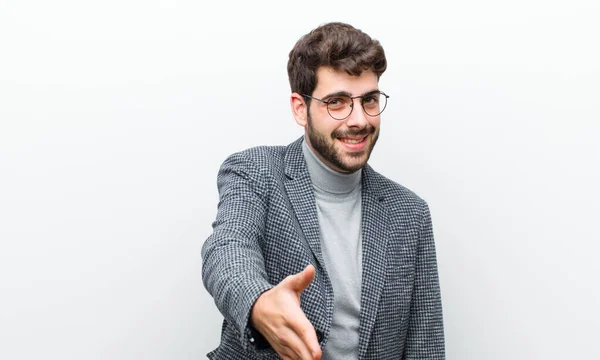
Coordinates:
<point>351,141</point>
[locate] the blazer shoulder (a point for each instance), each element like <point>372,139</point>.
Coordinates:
<point>395,192</point>
<point>258,159</point>
<point>264,155</point>
<point>404,205</point>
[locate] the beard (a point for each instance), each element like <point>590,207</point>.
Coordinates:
<point>345,161</point>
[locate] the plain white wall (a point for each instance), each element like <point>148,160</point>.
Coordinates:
<point>115,116</point>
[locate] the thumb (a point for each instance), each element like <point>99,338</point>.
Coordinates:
<point>300,281</point>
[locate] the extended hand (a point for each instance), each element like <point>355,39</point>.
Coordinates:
<point>278,317</point>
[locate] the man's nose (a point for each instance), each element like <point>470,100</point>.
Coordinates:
<point>357,118</point>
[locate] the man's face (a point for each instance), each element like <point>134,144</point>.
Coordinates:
<point>343,145</point>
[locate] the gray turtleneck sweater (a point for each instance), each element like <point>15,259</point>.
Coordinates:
<point>338,198</point>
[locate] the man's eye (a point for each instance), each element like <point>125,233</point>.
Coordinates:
<point>371,99</point>
<point>337,103</point>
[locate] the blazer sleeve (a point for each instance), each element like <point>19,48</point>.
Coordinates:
<point>232,262</point>
<point>425,337</point>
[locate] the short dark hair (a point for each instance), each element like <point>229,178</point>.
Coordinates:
<point>336,45</point>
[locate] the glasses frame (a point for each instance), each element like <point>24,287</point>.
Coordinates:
<point>362,99</point>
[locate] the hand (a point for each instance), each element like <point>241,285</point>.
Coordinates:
<point>277,315</point>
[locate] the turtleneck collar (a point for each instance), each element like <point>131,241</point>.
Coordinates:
<point>327,179</point>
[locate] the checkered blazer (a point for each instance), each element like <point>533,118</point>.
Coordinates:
<point>267,228</point>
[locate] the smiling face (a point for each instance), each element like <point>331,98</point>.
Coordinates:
<point>343,145</point>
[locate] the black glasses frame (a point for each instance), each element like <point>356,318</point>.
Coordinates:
<point>362,100</point>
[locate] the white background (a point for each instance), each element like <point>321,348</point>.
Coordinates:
<point>115,116</point>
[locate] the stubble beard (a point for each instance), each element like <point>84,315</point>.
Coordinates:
<point>325,146</point>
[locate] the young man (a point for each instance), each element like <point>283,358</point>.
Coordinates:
<point>314,255</point>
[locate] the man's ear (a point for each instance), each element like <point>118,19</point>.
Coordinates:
<point>299,109</point>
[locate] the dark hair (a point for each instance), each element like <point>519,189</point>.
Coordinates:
<point>336,45</point>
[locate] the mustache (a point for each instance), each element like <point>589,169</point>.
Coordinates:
<point>346,133</point>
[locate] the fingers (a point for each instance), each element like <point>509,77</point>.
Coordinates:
<point>278,316</point>
<point>306,332</point>
<point>300,281</point>
<point>303,338</point>
<point>291,346</point>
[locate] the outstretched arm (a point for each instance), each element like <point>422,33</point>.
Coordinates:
<point>232,262</point>
<point>234,274</point>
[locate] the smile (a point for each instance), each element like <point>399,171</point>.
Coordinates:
<point>354,144</point>
<point>353,140</point>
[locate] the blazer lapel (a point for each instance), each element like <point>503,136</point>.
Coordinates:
<point>300,192</point>
<point>298,187</point>
<point>374,244</point>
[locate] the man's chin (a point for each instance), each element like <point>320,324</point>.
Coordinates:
<point>352,163</point>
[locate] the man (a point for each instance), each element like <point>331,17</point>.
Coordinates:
<point>314,255</point>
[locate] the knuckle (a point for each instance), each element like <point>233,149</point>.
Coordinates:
<point>303,331</point>
<point>283,339</point>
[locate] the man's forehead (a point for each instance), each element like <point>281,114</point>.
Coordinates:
<point>331,81</point>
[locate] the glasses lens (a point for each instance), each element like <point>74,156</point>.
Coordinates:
<point>339,107</point>
<point>374,103</point>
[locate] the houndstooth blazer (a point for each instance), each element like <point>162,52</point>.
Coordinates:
<point>267,228</point>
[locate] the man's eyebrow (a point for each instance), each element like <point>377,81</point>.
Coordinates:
<point>339,93</point>
<point>371,92</point>
<point>345,93</point>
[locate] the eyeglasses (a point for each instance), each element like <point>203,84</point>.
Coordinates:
<point>340,107</point>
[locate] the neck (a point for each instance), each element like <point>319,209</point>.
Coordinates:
<point>327,179</point>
